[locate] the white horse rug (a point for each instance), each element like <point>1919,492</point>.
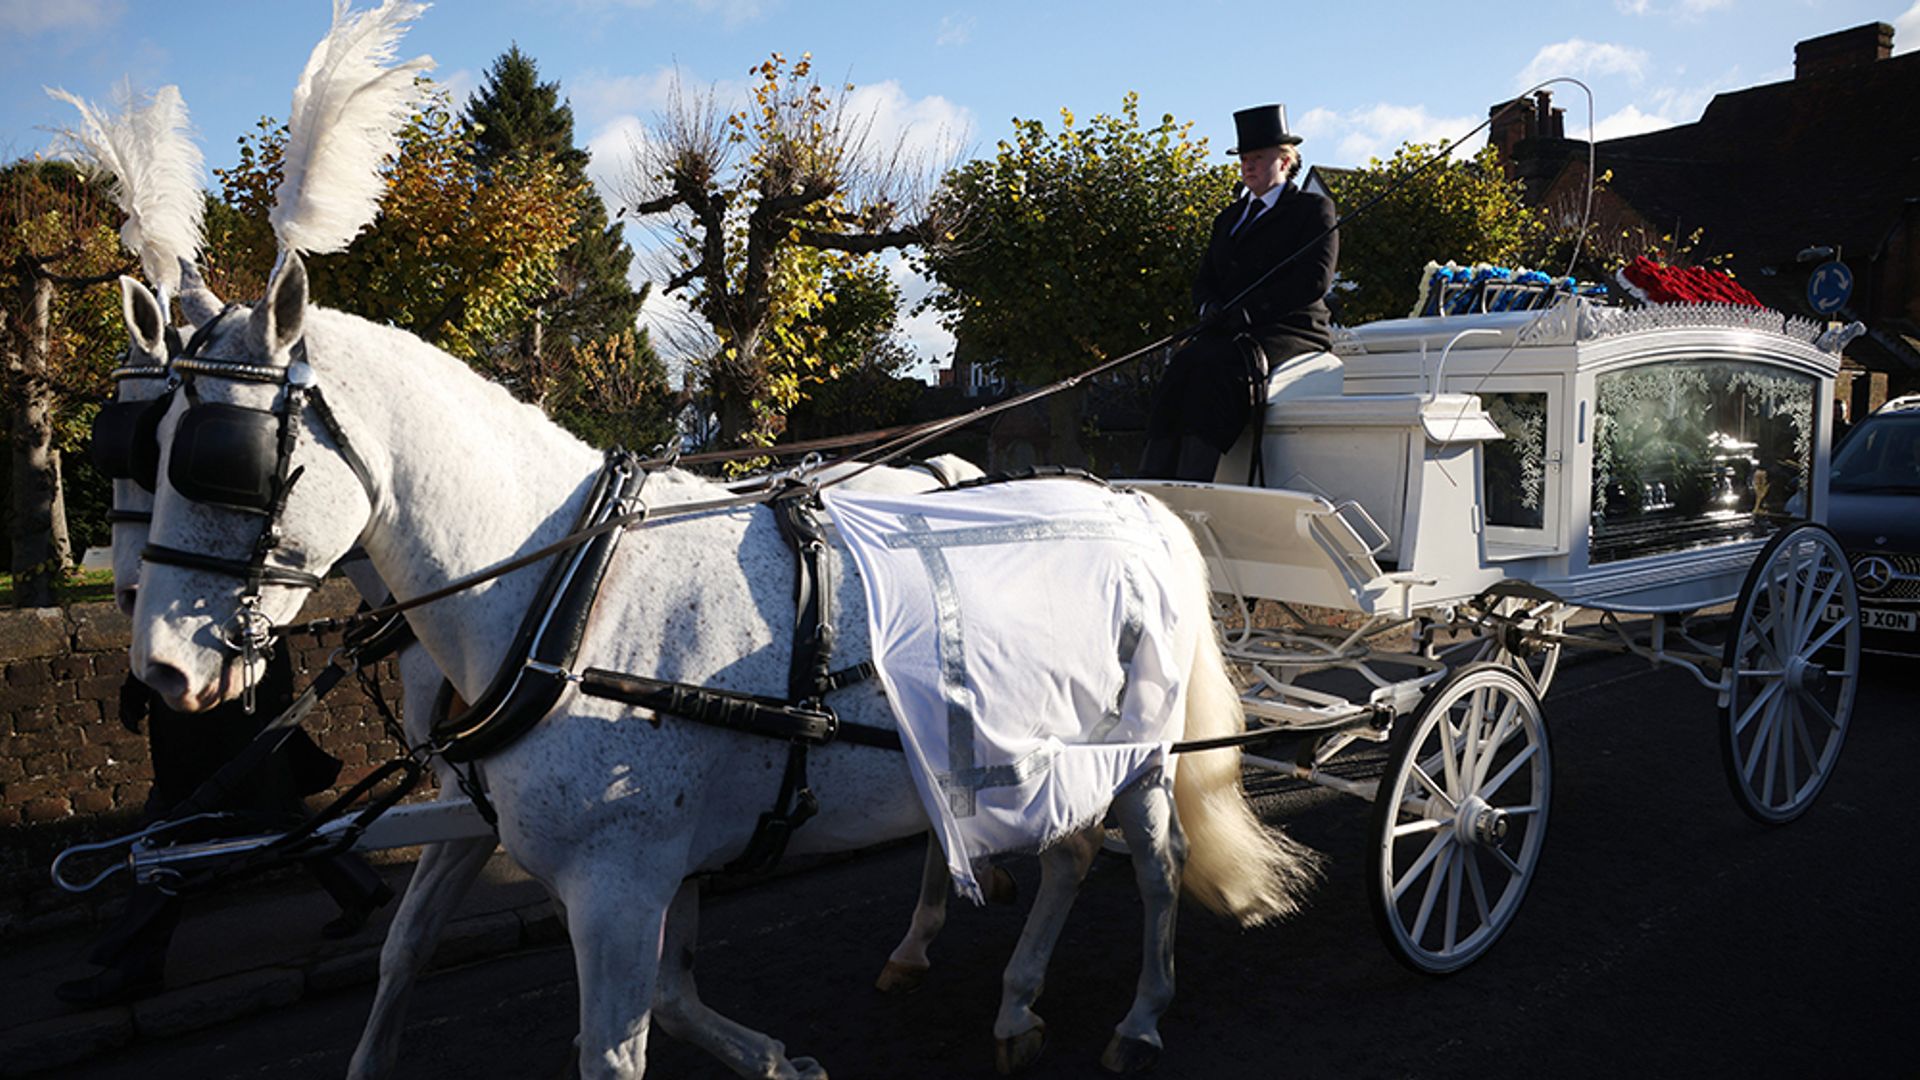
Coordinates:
<point>1019,725</point>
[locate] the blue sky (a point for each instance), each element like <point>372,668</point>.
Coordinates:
<point>1358,77</point>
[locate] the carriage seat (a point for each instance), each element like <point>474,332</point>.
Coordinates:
<point>1316,374</point>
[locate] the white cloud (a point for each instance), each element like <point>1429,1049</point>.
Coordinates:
<point>613,148</point>
<point>1376,131</point>
<point>954,30</point>
<point>1628,121</point>
<point>1906,30</point>
<point>1577,57</point>
<point>30,17</point>
<point>928,129</point>
<point>598,99</point>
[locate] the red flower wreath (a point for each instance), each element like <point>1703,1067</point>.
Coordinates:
<point>1655,283</point>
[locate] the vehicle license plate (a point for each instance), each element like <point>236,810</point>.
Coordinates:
<point>1880,618</point>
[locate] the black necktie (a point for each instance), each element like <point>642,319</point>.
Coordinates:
<point>1254,206</point>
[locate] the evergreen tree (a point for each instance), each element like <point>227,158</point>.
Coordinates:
<point>515,115</point>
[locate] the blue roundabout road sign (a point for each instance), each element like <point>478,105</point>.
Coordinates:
<point>1829,287</point>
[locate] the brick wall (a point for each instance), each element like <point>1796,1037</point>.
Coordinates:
<point>70,772</point>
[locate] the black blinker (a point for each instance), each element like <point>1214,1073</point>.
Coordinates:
<point>125,443</point>
<point>226,455</point>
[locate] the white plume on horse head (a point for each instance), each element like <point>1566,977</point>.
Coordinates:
<point>347,112</point>
<point>155,166</point>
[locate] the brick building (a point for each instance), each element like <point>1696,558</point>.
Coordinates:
<point>1782,177</point>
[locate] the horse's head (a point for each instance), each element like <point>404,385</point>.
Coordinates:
<point>254,499</point>
<point>124,446</point>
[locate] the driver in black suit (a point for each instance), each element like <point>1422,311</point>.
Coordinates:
<point>1206,398</point>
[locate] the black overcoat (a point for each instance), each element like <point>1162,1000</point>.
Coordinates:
<point>1287,313</point>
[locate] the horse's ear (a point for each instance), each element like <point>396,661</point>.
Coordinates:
<point>276,323</point>
<point>197,302</point>
<point>146,324</point>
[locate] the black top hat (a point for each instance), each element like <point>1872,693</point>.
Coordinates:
<point>1260,127</point>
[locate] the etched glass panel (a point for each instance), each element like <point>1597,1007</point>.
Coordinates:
<point>1516,466</point>
<point>1693,453</point>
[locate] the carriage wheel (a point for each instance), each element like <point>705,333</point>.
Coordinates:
<point>1792,662</point>
<point>1459,819</point>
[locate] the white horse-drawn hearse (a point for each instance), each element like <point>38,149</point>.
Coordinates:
<point>1456,487</point>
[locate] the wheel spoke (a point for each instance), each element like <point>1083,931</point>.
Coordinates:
<point>1760,639</point>
<point>1415,828</point>
<point>1450,752</point>
<point>1804,582</point>
<point>1821,642</point>
<point>1773,750</point>
<point>1512,767</point>
<point>1512,867</point>
<point>1470,739</point>
<point>1760,739</point>
<point>1805,738</point>
<point>1479,891</point>
<point>1818,609</point>
<point>1451,933</point>
<point>1788,750</point>
<point>1499,738</point>
<point>1759,700</point>
<point>1433,787</point>
<point>1434,878</point>
<point>1820,710</point>
<point>1434,847</point>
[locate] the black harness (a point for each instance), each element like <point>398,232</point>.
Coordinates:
<point>540,663</point>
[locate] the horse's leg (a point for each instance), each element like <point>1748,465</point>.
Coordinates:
<point>445,872</point>
<point>684,1016</point>
<point>1145,815</point>
<point>1019,1033</point>
<point>616,915</point>
<point>907,968</point>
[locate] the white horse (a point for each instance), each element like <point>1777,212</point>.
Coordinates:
<point>447,870</point>
<point>610,812</point>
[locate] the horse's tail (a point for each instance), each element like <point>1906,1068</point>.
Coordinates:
<point>1235,865</point>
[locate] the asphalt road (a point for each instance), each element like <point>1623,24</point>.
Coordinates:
<point>1665,935</point>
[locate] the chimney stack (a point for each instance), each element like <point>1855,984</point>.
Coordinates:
<point>1843,50</point>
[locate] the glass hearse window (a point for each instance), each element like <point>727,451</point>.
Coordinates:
<point>1516,466</point>
<point>1692,453</point>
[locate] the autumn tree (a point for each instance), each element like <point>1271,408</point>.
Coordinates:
<point>57,244</point>
<point>515,116</point>
<point>456,256</point>
<point>756,209</point>
<point>1459,209</point>
<point>1078,245</point>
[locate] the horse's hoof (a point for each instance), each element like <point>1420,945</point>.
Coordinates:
<point>1001,888</point>
<point>1012,1055</point>
<point>1126,1055</point>
<point>808,1069</point>
<point>898,978</point>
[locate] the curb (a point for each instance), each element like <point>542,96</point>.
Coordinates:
<point>67,1040</point>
